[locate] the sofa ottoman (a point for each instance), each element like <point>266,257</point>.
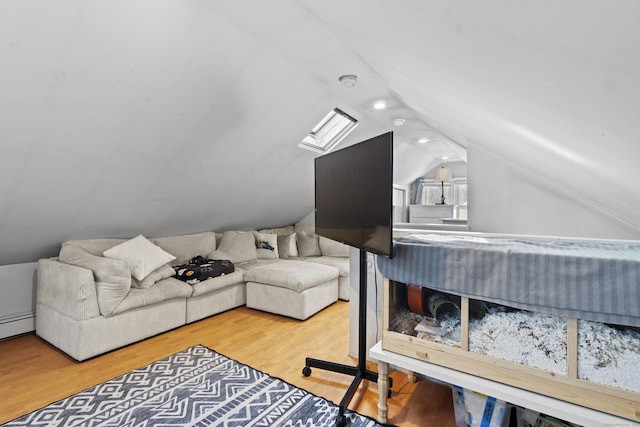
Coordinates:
<point>297,289</point>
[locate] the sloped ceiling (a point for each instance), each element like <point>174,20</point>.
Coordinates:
<point>550,88</point>
<point>163,117</point>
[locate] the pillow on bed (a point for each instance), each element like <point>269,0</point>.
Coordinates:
<point>141,255</point>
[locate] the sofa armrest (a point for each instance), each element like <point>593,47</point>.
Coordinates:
<point>69,289</point>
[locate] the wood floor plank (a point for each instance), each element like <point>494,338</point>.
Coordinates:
<point>34,373</point>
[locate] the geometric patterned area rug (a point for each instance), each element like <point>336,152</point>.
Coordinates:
<point>196,387</point>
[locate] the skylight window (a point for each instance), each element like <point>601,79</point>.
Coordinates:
<point>329,132</point>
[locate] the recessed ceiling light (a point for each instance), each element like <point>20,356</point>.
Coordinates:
<point>379,105</point>
<point>444,157</point>
<point>423,140</point>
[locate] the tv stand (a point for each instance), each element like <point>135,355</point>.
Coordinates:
<point>360,371</point>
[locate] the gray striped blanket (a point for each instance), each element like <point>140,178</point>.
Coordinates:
<point>590,280</point>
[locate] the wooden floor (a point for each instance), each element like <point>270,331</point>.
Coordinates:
<point>34,374</point>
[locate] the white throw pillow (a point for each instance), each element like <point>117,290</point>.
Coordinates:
<point>141,255</point>
<point>267,245</point>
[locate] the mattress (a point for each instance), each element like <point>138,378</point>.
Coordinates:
<point>591,280</point>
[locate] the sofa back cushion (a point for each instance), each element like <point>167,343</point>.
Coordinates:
<point>187,246</point>
<point>95,246</point>
<point>280,231</point>
<point>112,276</point>
<point>330,247</point>
<point>237,246</point>
<point>304,228</point>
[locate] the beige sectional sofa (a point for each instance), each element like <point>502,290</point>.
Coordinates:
<point>102,294</point>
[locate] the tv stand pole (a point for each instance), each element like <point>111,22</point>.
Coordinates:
<point>360,371</point>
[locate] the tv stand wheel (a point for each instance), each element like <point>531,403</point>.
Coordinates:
<point>306,371</point>
<point>342,421</point>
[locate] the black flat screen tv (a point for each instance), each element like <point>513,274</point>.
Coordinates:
<point>353,195</point>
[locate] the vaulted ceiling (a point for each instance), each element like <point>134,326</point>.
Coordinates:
<point>163,117</point>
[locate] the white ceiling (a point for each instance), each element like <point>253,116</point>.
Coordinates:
<point>163,117</point>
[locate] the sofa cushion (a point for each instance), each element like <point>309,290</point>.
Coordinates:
<point>295,275</point>
<point>304,228</point>
<point>142,256</point>
<point>330,247</point>
<point>255,263</point>
<point>112,276</point>
<point>341,263</point>
<point>236,246</point>
<point>163,272</point>
<point>308,245</point>
<point>210,285</point>
<point>280,231</point>
<point>187,246</point>
<point>163,290</point>
<point>288,245</point>
<point>95,246</point>
<point>267,245</point>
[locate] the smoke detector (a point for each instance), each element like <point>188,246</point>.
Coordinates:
<point>348,80</point>
<point>398,122</point>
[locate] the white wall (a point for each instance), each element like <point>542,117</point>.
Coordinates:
<point>503,199</point>
<point>17,298</point>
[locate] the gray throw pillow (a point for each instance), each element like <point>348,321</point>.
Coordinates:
<point>308,245</point>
